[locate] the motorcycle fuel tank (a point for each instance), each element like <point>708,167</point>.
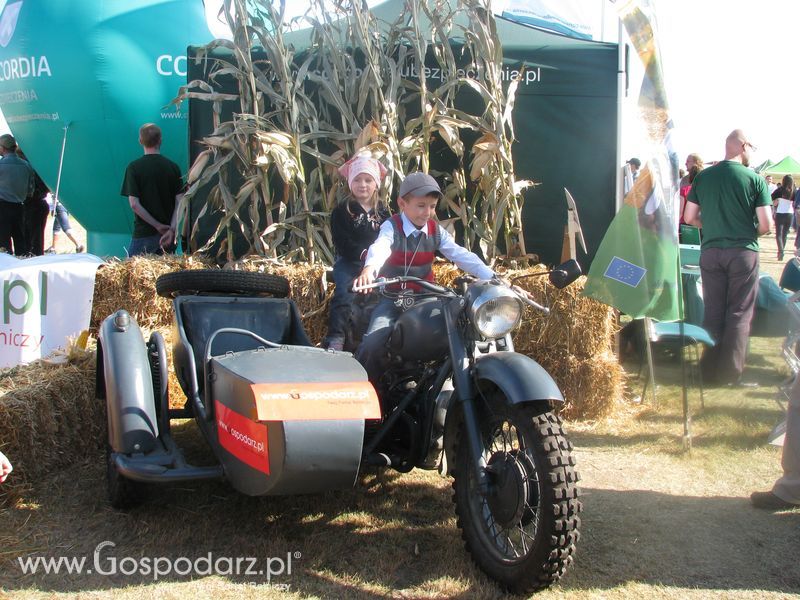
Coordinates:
<point>420,333</point>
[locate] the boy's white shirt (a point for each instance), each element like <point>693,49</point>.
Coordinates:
<point>381,249</point>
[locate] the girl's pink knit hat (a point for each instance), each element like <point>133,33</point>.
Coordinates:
<point>362,164</point>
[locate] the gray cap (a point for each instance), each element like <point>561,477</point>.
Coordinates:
<point>419,184</point>
<point>7,141</point>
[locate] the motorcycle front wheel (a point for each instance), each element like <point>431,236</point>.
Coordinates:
<point>523,529</point>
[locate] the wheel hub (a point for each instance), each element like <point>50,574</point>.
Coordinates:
<point>509,494</point>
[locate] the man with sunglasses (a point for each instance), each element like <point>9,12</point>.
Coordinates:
<point>732,205</point>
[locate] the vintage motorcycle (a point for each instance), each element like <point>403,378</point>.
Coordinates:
<point>458,398</point>
<point>284,417</point>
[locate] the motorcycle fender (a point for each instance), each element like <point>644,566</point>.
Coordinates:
<point>128,385</point>
<point>520,377</point>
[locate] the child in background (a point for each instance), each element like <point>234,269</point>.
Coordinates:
<point>406,245</point>
<point>354,226</point>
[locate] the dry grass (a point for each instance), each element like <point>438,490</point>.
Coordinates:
<point>659,521</point>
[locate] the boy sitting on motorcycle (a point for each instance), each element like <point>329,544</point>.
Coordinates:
<point>406,245</point>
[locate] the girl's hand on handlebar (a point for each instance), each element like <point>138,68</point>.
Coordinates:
<point>366,277</point>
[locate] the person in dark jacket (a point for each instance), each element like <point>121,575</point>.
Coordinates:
<point>16,184</point>
<point>354,226</point>
<point>34,214</point>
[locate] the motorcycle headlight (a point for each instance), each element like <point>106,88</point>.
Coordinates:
<point>495,311</point>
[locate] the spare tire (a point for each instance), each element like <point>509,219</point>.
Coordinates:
<point>214,281</point>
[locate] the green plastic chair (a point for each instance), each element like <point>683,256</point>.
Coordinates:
<point>693,337</point>
<point>689,235</point>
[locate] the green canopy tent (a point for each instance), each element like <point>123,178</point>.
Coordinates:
<point>762,168</point>
<point>788,166</point>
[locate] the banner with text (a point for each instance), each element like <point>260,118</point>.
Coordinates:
<point>45,301</point>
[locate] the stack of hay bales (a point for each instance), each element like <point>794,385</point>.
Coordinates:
<point>49,418</point>
<point>131,285</point>
<point>574,342</point>
<point>49,414</point>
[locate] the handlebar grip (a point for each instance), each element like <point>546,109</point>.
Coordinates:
<point>536,305</point>
<point>380,282</point>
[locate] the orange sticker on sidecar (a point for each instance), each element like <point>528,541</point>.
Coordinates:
<point>316,401</point>
<point>245,439</point>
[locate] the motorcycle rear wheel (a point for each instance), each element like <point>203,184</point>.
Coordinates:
<point>522,533</point>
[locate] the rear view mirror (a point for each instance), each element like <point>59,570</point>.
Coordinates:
<point>565,273</point>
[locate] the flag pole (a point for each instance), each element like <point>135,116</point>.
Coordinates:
<point>687,418</point>
<point>649,353</point>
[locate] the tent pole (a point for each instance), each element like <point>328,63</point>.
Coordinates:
<point>621,77</point>
<point>61,164</point>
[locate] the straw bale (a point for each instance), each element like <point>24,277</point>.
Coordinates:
<point>592,387</point>
<point>49,417</point>
<point>578,331</point>
<point>131,284</point>
<point>574,343</point>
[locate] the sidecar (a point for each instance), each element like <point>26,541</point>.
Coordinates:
<point>280,416</point>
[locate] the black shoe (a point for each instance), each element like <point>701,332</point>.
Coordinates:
<point>769,501</point>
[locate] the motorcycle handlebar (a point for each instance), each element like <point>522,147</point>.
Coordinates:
<point>523,295</point>
<point>383,281</point>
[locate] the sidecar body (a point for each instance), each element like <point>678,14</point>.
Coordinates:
<point>281,416</point>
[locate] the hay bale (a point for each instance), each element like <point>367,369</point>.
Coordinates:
<point>578,331</point>
<point>592,387</point>
<point>48,417</point>
<point>574,343</point>
<point>131,284</point>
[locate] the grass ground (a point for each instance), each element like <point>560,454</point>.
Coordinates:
<point>660,520</point>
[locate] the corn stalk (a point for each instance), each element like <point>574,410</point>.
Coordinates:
<point>361,86</point>
<point>498,202</point>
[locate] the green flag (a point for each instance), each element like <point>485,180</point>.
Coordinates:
<point>636,267</point>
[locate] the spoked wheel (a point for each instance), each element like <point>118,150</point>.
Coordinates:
<point>522,531</point>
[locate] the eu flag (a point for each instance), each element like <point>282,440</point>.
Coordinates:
<point>625,272</point>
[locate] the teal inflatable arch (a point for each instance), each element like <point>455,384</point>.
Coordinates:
<point>82,77</point>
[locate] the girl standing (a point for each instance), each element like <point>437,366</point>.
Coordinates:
<point>354,226</point>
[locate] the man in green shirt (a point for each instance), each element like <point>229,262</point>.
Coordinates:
<point>732,205</point>
<point>154,187</point>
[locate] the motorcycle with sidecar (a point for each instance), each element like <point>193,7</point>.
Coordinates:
<point>284,417</point>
